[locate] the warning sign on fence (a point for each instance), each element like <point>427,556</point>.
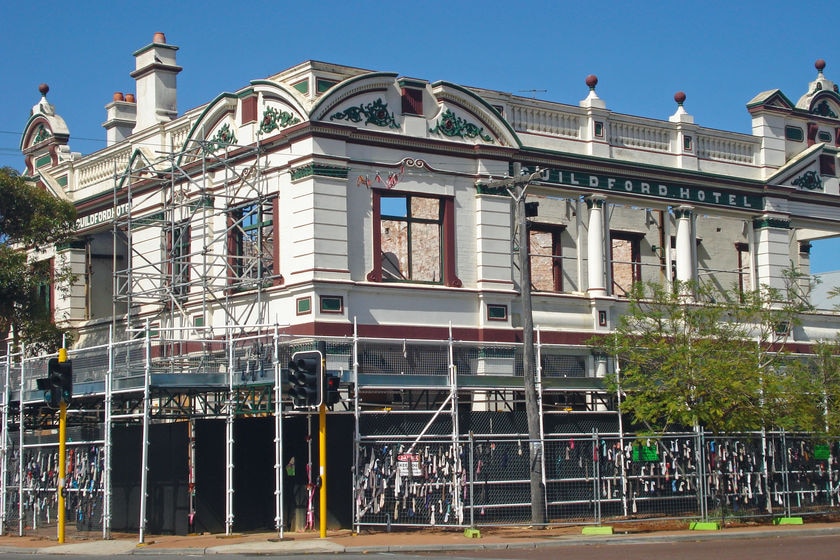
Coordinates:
<point>406,459</point>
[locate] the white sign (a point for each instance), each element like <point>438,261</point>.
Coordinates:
<point>406,459</point>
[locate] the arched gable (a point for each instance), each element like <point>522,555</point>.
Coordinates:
<point>452,113</point>
<point>465,115</point>
<point>826,103</point>
<point>359,101</point>
<point>277,107</point>
<point>45,135</point>
<point>233,119</point>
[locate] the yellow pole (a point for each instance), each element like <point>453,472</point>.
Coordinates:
<point>62,448</point>
<point>322,448</point>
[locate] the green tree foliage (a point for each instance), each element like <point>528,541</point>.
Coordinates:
<point>818,389</point>
<point>31,220</point>
<point>716,359</point>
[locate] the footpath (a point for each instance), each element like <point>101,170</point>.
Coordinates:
<point>404,540</point>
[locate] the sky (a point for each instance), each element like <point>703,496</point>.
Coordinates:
<point>720,53</point>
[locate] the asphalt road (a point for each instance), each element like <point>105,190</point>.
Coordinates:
<point>821,547</point>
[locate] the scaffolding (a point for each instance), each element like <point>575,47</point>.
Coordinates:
<point>197,230</point>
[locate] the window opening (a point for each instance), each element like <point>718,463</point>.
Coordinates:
<point>546,257</point>
<point>626,261</point>
<point>411,234</point>
<point>252,243</point>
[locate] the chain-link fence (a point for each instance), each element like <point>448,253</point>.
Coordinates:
<point>441,436</point>
<point>593,479</point>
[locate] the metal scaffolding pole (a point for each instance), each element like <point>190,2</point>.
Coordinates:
<point>20,445</point>
<point>453,392</point>
<point>279,489</point>
<point>4,444</point>
<point>107,490</point>
<point>357,437</point>
<point>144,467</point>
<point>229,439</point>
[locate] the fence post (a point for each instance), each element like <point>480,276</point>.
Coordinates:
<point>21,442</point>
<point>472,480</point>
<point>596,476</point>
<point>786,476</point>
<point>765,467</point>
<point>4,433</point>
<point>700,447</point>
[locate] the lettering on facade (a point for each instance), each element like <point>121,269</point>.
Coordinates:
<point>102,216</point>
<point>718,197</point>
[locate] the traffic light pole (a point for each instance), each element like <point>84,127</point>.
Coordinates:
<point>322,467</point>
<point>62,448</point>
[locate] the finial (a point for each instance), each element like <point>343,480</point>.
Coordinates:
<point>592,81</point>
<point>44,89</point>
<point>679,97</point>
<point>819,65</point>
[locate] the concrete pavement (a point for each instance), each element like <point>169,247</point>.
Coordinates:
<point>397,541</point>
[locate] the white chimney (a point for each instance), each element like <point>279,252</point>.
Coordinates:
<point>155,73</point>
<point>122,117</point>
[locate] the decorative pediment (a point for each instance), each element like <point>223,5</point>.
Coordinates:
<point>275,107</point>
<point>801,172</point>
<point>826,106</point>
<point>368,100</point>
<point>465,116</point>
<point>773,98</point>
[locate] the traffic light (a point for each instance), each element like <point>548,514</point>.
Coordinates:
<point>306,378</point>
<point>331,382</point>
<point>58,385</point>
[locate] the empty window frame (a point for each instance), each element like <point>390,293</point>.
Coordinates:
<point>546,257</point>
<point>252,243</point>
<point>43,300</point>
<point>413,239</point>
<point>625,255</point>
<point>744,268</point>
<point>178,249</point>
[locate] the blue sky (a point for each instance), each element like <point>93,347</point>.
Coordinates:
<point>720,53</point>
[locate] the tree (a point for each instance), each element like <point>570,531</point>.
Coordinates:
<point>817,397</point>
<point>715,360</point>
<point>31,221</point>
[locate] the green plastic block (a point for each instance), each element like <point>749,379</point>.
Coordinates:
<point>598,530</point>
<point>704,526</point>
<point>472,533</point>
<point>788,521</point>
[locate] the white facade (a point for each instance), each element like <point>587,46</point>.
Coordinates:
<point>271,204</point>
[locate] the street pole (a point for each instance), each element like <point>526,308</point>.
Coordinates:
<point>322,449</point>
<point>516,186</point>
<point>322,473</point>
<point>62,453</point>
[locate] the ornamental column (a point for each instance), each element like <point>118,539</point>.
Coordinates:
<point>595,245</point>
<point>772,250</point>
<point>685,245</point>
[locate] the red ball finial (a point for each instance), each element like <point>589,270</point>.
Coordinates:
<point>679,97</point>
<point>44,89</point>
<point>819,65</point>
<point>592,81</point>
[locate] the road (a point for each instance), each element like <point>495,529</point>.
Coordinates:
<point>774,548</point>
<point>783,547</point>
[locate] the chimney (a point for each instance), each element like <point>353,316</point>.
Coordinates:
<point>122,116</point>
<point>156,75</point>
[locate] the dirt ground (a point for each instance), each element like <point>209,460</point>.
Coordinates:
<point>369,537</point>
